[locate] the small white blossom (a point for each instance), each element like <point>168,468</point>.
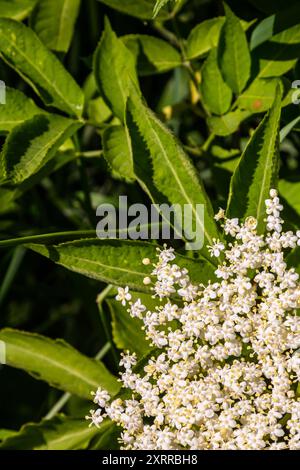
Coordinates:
<point>123,295</point>
<point>216,248</point>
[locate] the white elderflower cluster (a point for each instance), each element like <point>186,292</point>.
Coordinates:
<point>227,368</point>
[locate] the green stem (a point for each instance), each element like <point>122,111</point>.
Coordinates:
<point>166,34</point>
<point>101,297</point>
<point>55,237</point>
<point>196,152</point>
<point>85,185</point>
<point>208,141</point>
<point>90,154</point>
<point>11,272</point>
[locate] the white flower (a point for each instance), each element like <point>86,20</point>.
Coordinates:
<point>220,214</point>
<point>101,397</point>
<point>123,295</point>
<point>96,417</point>
<point>216,248</point>
<point>137,309</point>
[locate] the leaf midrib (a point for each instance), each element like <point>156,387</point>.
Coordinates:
<point>110,267</point>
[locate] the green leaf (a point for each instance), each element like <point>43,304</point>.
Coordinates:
<point>54,22</point>
<point>274,24</point>
<point>233,51</point>
<point>98,111</point>
<point>259,96</point>
<point>16,9</point>
<point>228,123</point>
<point>59,433</point>
<point>152,55</point>
<point>176,90</point>
<point>288,128</point>
<point>114,69</point>
<point>127,331</point>
<point>57,363</point>
<point>117,262</point>
<point>216,94</point>
<point>23,51</point>
<point>262,32</point>
<point>141,9</point>
<point>11,193</point>
<point>117,152</point>
<point>290,191</point>
<point>32,144</point>
<point>164,170</point>
<point>278,55</point>
<point>5,433</point>
<point>257,171</point>
<point>18,108</point>
<point>204,37</point>
<point>159,5</point>
<point>107,438</point>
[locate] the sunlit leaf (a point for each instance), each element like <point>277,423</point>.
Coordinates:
<point>114,70</point>
<point>56,362</point>
<point>216,94</point>
<point>117,262</point>
<point>257,171</point>
<point>22,50</point>
<point>54,22</point>
<point>233,52</point>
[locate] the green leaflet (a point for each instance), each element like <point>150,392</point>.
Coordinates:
<point>153,55</point>
<point>216,94</point>
<point>57,363</point>
<point>278,55</point>
<point>98,111</point>
<point>233,52</point>
<point>141,9</point>
<point>117,152</point>
<point>228,123</point>
<point>16,9</point>
<point>204,37</point>
<point>274,24</point>
<point>32,144</point>
<point>59,433</point>
<point>54,22</point>
<point>117,262</point>
<point>259,96</point>
<point>23,51</point>
<point>257,171</point>
<point>176,90</point>
<point>5,433</point>
<point>164,170</point>
<point>56,162</point>
<point>18,109</point>
<point>159,5</point>
<point>114,70</point>
<point>127,331</point>
<point>289,127</point>
<point>107,438</point>
<point>290,191</point>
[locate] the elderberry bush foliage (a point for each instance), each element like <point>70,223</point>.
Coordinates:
<point>165,102</point>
